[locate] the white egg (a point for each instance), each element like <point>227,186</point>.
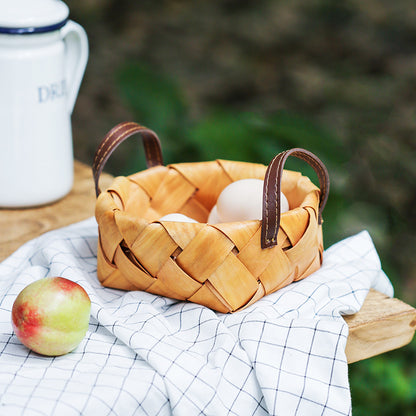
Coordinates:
<point>284,203</point>
<point>213,216</point>
<point>242,200</point>
<point>177,218</point>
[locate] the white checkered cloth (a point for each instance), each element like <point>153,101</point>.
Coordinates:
<point>149,355</point>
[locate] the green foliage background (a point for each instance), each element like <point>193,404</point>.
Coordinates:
<point>244,80</point>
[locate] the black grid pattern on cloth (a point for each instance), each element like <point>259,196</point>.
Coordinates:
<point>150,355</point>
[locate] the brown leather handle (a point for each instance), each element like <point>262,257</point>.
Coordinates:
<point>271,192</point>
<point>117,135</point>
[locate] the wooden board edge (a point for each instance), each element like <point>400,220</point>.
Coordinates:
<point>375,331</point>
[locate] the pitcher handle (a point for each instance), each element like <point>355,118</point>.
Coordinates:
<point>76,55</point>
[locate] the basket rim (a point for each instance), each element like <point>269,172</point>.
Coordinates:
<point>113,188</point>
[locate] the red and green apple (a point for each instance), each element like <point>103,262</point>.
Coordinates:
<point>51,315</point>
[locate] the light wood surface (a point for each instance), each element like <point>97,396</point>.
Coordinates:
<point>382,324</point>
<point>20,225</point>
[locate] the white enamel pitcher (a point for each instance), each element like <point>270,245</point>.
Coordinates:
<point>43,56</point>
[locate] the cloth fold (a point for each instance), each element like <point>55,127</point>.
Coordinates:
<point>151,355</point>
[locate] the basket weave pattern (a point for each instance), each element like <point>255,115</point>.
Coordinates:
<point>221,266</point>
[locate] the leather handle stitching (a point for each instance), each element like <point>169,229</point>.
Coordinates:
<point>116,141</point>
<point>279,158</point>
<point>115,137</point>
<point>104,142</point>
<point>269,236</point>
<point>277,208</point>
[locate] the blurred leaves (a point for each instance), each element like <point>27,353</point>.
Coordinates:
<point>156,98</point>
<point>224,135</point>
<point>157,103</point>
<point>386,384</point>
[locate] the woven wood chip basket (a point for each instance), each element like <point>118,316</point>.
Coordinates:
<point>225,266</point>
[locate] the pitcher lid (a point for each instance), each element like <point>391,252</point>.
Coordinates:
<point>32,16</point>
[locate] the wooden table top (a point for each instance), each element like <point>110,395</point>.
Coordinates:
<point>382,324</point>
